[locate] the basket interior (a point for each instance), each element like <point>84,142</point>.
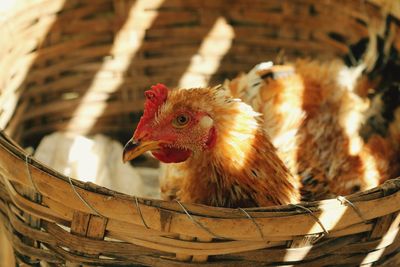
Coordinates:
<point>80,67</point>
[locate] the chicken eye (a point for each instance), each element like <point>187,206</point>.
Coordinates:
<point>181,120</point>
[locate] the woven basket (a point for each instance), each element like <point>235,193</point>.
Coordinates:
<point>82,66</point>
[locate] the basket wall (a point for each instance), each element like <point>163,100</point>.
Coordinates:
<point>82,66</point>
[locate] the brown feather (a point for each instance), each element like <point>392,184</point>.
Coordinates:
<point>311,122</point>
<point>242,170</point>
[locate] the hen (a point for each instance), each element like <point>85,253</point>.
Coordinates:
<point>222,152</point>
<point>217,143</point>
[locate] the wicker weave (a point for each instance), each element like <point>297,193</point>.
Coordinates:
<point>60,66</point>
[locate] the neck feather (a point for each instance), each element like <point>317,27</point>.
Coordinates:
<point>243,169</point>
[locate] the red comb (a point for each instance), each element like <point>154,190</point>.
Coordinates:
<point>155,97</point>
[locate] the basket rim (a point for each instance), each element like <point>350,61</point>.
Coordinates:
<point>268,218</point>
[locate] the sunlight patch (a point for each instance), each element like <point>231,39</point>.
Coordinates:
<point>127,41</point>
<point>207,60</point>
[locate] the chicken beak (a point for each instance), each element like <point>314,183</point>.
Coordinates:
<point>135,148</point>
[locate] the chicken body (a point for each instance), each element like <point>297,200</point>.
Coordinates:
<point>305,145</point>
<point>312,115</point>
<point>243,169</point>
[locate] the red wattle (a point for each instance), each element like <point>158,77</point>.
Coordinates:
<point>172,155</point>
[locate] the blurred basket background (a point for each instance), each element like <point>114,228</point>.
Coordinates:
<point>82,66</point>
